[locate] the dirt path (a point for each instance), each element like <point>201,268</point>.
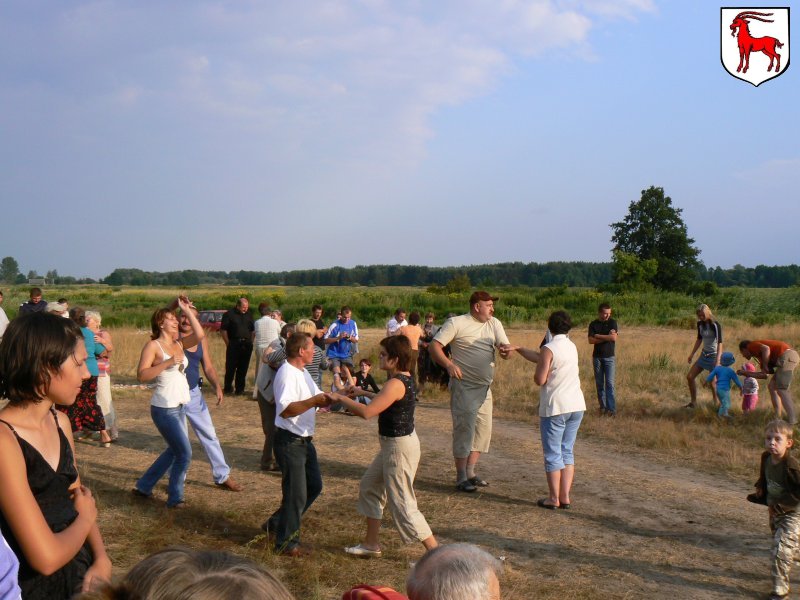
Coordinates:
<point>637,528</point>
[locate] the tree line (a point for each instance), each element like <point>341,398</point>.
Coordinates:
<point>573,274</point>
<point>652,250</point>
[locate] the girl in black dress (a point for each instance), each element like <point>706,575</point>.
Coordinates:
<point>46,515</point>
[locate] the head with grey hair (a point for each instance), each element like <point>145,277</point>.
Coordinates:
<point>455,572</point>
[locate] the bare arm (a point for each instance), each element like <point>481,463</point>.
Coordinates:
<point>543,366</point>
<point>100,570</point>
<point>392,391</point>
<point>198,333</point>
<point>44,550</point>
<point>150,366</point>
<point>527,353</point>
<point>301,406</point>
<point>436,351</point>
<point>211,372</point>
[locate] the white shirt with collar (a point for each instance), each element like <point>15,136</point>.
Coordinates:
<point>293,385</point>
<point>393,327</point>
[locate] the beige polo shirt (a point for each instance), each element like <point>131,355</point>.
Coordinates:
<point>472,345</point>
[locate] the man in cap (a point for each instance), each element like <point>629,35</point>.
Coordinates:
<point>473,339</point>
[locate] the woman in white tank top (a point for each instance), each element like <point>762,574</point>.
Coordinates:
<point>561,407</point>
<point>163,360</point>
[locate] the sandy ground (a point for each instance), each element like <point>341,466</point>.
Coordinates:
<point>637,527</point>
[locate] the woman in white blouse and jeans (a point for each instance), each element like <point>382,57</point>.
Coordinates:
<point>561,407</point>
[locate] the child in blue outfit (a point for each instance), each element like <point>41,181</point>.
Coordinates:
<point>724,376</point>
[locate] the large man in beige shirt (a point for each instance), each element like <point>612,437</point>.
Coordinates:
<point>473,339</point>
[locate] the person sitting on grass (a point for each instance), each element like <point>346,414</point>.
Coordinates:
<point>724,375</point>
<point>365,381</point>
<point>390,477</point>
<point>778,487</point>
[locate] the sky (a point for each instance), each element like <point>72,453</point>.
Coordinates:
<point>270,135</point>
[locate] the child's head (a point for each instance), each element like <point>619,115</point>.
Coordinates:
<point>748,366</point>
<point>778,437</point>
<point>35,350</point>
<point>183,574</point>
<point>365,365</point>
<point>727,359</point>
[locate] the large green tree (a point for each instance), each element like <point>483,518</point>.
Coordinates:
<point>9,269</point>
<point>654,230</point>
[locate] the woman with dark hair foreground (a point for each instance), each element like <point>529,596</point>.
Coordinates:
<point>47,516</point>
<point>390,477</point>
<point>561,407</point>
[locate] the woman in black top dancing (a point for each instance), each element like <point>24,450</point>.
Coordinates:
<point>390,477</point>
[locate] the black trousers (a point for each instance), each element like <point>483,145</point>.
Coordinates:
<point>301,483</point>
<point>237,360</point>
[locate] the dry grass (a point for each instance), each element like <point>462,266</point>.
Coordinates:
<point>651,424</point>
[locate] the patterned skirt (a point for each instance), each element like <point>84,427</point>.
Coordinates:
<point>85,413</point>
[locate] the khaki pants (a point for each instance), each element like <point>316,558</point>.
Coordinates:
<point>471,408</point>
<point>785,539</point>
<point>784,368</point>
<point>390,479</point>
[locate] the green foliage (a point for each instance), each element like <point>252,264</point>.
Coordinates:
<point>459,283</point>
<point>9,269</point>
<point>632,272</point>
<point>372,306</point>
<point>654,230</point>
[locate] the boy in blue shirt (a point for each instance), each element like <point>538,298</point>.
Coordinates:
<point>724,376</point>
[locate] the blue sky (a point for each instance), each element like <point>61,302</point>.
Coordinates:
<point>274,135</point>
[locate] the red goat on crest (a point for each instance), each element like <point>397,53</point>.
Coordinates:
<point>748,44</point>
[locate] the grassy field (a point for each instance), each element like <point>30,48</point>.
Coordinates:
<point>372,306</point>
<point>651,428</point>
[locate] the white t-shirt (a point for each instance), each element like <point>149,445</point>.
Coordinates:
<point>267,330</point>
<point>293,385</point>
<point>3,322</point>
<point>472,345</point>
<point>393,327</point>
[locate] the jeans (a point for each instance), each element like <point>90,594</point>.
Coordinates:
<point>558,439</point>
<point>604,372</point>
<point>200,419</point>
<point>171,424</point>
<point>724,402</point>
<point>301,483</point>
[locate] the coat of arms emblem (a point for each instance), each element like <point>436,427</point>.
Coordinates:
<point>754,43</point>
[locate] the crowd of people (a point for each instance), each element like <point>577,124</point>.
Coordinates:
<point>51,370</point>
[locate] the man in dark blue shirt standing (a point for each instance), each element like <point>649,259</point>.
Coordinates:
<point>603,336</point>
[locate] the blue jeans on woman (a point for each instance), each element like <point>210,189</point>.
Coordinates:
<point>558,439</point>
<point>171,424</point>
<point>604,372</point>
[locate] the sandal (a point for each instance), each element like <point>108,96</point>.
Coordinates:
<point>362,552</point>
<point>466,486</point>
<point>478,482</point>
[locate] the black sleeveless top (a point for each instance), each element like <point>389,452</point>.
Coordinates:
<point>51,490</point>
<point>398,419</point>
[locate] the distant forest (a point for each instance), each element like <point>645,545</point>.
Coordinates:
<point>574,274</point>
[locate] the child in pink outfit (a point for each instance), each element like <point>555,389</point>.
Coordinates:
<point>749,390</point>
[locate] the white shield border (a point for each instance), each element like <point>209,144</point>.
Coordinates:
<point>722,39</point>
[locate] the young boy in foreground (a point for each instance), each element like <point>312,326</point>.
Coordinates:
<point>778,487</point>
